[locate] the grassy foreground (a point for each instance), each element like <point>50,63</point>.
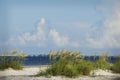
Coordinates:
<point>12,60</point>
<point>72,64</point>
<point>63,63</point>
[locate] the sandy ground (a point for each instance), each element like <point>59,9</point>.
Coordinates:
<point>28,71</point>
<point>60,78</point>
<point>28,74</point>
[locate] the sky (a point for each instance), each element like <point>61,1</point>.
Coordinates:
<point>40,26</point>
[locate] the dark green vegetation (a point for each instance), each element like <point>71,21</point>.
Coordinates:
<point>72,64</point>
<point>12,60</point>
<point>64,63</point>
<point>116,66</point>
<point>103,63</point>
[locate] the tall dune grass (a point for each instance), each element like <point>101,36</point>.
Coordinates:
<point>116,66</point>
<point>72,64</point>
<point>12,59</point>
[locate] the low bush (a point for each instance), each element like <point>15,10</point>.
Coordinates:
<point>12,60</point>
<point>101,64</point>
<point>85,67</point>
<point>70,65</point>
<point>13,65</point>
<point>70,70</point>
<point>116,67</point>
<point>73,64</point>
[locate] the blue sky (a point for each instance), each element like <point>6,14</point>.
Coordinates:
<point>38,26</point>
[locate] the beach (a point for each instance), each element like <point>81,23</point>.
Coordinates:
<point>60,78</point>
<point>29,72</point>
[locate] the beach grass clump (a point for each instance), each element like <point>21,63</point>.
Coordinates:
<point>84,67</point>
<point>12,60</point>
<point>65,68</point>
<point>10,64</point>
<point>70,64</point>
<point>103,63</point>
<point>116,66</point>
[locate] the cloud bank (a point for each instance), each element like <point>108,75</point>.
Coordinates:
<point>110,35</point>
<point>103,34</point>
<point>41,37</point>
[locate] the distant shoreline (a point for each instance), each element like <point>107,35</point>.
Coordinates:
<point>29,66</point>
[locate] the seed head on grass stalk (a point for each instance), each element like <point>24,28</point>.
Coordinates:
<point>53,56</point>
<point>50,55</point>
<point>65,54</point>
<point>15,52</point>
<point>75,55</point>
<point>23,55</point>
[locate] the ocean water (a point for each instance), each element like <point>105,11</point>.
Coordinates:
<point>36,60</point>
<point>44,60</point>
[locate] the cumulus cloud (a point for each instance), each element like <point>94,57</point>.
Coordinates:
<point>75,44</point>
<point>41,37</point>
<point>29,37</point>
<point>105,34</point>
<point>110,35</point>
<point>57,38</point>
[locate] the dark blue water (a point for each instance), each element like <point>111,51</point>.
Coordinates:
<point>44,60</point>
<point>36,60</point>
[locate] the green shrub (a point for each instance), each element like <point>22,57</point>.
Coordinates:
<point>101,64</point>
<point>116,67</point>
<point>84,67</point>
<point>62,67</point>
<point>16,66</point>
<point>70,70</point>
<point>12,59</point>
<point>72,64</point>
<point>69,64</point>
<point>58,68</point>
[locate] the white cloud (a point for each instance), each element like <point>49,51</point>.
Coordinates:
<point>28,37</point>
<point>41,37</point>
<point>43,21</point>
<point>110,35</point>
<point>94,43</point>
<point>59,40</point>
<point>75,44</point>
<point>105,35</point>
<point>15,41</point>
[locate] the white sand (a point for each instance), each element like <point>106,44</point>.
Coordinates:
<point>101,72</point>
<point>26,71</point>
<point>60,78</point>
<point>25,74</point>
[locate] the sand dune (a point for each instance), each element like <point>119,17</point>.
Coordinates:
<point>60,78</point>
<point>27,72</point>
